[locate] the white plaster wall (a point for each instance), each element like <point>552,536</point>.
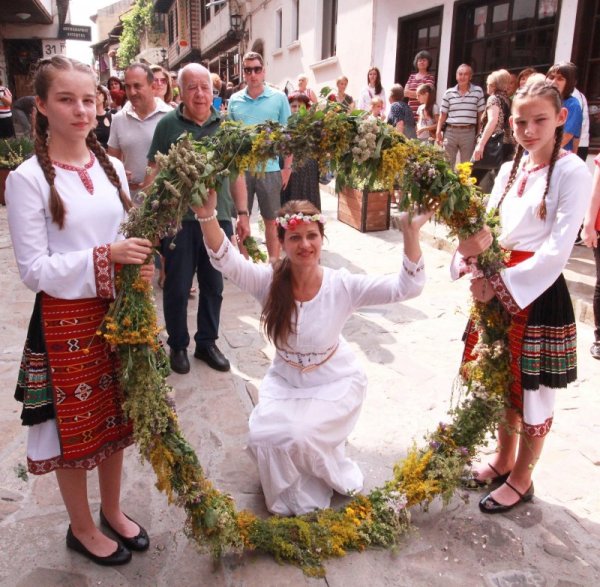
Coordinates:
<point>366,35</point>
<point>566,31</point>
<point>354,43</point>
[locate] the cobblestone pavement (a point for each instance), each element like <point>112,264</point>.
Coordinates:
<point>411,352</point>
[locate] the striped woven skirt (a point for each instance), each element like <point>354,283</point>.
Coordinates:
<point>68,383</point>
<point>543,348</point>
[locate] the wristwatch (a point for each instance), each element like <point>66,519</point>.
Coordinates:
<point>243,213</point>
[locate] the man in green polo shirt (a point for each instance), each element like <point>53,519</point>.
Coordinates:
<point>197,116</point>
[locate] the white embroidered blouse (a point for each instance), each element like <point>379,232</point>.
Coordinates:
<point>71,263</point>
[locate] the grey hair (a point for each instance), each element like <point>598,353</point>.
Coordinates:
<point>196,67</point>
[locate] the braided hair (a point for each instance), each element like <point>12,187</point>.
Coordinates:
<point>541,89</point>
<point>46,71</point>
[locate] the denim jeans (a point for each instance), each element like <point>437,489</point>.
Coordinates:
<point>190,257</point>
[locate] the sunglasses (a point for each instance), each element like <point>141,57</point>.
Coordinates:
<point>160,80</point>
<point>249,70</point>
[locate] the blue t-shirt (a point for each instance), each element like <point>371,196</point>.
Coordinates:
<point>270,105</point>
<point>574,120</point>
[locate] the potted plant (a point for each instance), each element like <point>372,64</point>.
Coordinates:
<point>364,205</point>
<point>12,153</point>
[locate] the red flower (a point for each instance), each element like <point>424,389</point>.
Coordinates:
<point>292,223</point>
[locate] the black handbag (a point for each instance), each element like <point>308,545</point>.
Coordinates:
<point>493,153</point>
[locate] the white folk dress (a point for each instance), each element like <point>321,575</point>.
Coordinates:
<point>65,264</point>
<point>550,242</point>
<point>311,396</point>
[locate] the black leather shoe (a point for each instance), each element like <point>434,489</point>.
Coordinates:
<point>595,350</point>
<point>121,556</point>
<point>179,361</point>
<point>472,482</point>
<point>488,505</point>
<point>213,357</point>
<point>138,543</point>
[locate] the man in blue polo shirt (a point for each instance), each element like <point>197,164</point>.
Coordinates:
<point>257,103</point>
<point>195,115</point>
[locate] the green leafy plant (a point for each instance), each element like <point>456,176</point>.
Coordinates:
<point>14,151</point>
<point>136,22</point>
<point>335,139</point>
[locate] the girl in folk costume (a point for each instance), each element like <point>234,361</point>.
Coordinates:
<point>311,397</point>
<point>65,207</point>
<point>541,198</point>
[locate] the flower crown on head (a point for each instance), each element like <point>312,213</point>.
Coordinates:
<point>292,220</point>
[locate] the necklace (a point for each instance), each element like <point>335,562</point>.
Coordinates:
<point>81,171</point>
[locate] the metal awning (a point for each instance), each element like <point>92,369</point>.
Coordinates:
<point>24,12</point>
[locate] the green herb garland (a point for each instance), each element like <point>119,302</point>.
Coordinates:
<point>353,146</point>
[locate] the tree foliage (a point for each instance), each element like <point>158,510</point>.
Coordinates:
<point>135,23</point>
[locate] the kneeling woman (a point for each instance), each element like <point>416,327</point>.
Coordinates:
<point>312,394</point>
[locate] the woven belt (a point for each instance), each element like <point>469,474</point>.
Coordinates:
<point>313,366</point>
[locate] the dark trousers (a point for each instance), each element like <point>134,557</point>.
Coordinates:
<point>596,305</point>
<point>190,257</point>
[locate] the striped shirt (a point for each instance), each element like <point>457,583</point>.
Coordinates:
<point>463,108</point>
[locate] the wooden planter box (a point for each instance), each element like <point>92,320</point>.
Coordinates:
<point>366,211</point>
<point>3,175</point>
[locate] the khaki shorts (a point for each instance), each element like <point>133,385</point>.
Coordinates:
<point>268,192</point>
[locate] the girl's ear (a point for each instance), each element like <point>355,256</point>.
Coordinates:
<point>40,105</point>
<point>511,122</point>
<point>562,116</point>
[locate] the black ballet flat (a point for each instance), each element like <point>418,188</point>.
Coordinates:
<point>488,505</point>
<point>121,556</point>
<point>472,482</point>
<point>137,543</point>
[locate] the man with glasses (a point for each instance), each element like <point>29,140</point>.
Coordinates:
<point>133,126</point>
<point>195,115</point>
<point>257,103</point>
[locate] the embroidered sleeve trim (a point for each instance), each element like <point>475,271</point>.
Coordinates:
<point>103,272</point>
<point>218,255</point>
<point>503,294</point>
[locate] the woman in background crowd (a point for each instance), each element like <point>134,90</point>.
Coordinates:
<point>304,89</point>
<point>346,100</point>
<point>162,86</point>
<point>422,64</point>
<point>103,115</point>
<point>493,123</point>
<point>117,92</point>
<point>564,76</point>
<point>304,181</point>
<point>372,90</point>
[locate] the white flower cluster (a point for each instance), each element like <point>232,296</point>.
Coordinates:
<point>396,502</point>
<point>365,141</point>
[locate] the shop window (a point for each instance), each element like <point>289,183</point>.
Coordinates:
<point>511,34</point>
<point>329,22</point>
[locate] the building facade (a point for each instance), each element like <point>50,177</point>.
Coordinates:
<point>327,38</point>
<point>29,30</point>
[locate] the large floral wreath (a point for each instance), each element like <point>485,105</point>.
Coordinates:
<point>353,146</point>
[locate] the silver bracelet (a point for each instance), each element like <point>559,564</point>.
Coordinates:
<point>202,220</point>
